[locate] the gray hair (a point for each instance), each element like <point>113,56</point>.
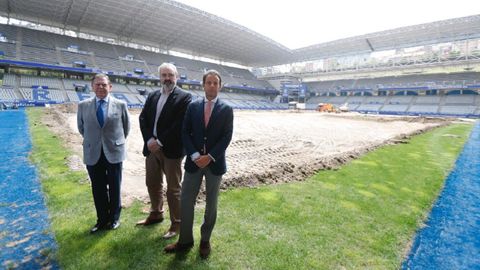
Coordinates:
<point>170,66</point>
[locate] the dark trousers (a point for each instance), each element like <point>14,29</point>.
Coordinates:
<point>106,180</point>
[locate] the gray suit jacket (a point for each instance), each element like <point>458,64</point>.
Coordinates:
<point>111,136</point>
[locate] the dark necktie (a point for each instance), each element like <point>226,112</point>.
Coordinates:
<point>100,112</point>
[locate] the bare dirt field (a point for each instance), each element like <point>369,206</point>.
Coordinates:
<point>267,146</point>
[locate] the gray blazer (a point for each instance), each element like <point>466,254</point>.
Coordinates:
<point>111,137</point>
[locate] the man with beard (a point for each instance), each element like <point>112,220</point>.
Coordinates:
<point>161,124</point>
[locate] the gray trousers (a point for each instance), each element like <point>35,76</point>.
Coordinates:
<point>190,188</point>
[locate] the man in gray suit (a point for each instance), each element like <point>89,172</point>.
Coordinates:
<point>104,123</point>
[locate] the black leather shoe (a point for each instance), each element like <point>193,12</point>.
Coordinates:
<point>115,225</point>
<point>205,249</point>
<point>98,227</point>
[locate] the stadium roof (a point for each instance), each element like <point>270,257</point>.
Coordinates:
<point>422,34</point>
<point>170,25</point>
<point>165,24</point>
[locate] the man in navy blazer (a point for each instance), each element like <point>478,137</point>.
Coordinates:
<point>161,125</point>
<point>206,134</point>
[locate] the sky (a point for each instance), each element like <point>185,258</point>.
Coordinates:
<point>300,23</point>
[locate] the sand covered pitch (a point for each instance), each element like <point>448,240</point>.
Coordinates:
<point>267,146</point>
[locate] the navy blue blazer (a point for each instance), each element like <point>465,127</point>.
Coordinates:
<point>215,137</point>
<point>169,125</point>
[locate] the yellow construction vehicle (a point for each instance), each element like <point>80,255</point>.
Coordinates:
<point>326,107</point>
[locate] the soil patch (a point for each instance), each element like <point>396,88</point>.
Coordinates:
<point>268,147</point>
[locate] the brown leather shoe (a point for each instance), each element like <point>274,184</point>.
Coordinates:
<point>178,247</point>
<point>169,234</point>
<point>172,231</point>
<point>204,249</point>
<point>150,220</point>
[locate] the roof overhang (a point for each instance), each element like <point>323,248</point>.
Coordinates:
<point>172,26</point>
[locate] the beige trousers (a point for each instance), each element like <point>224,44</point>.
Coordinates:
<point>157,165</point>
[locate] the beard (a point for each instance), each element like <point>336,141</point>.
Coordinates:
<point>168,85</point>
